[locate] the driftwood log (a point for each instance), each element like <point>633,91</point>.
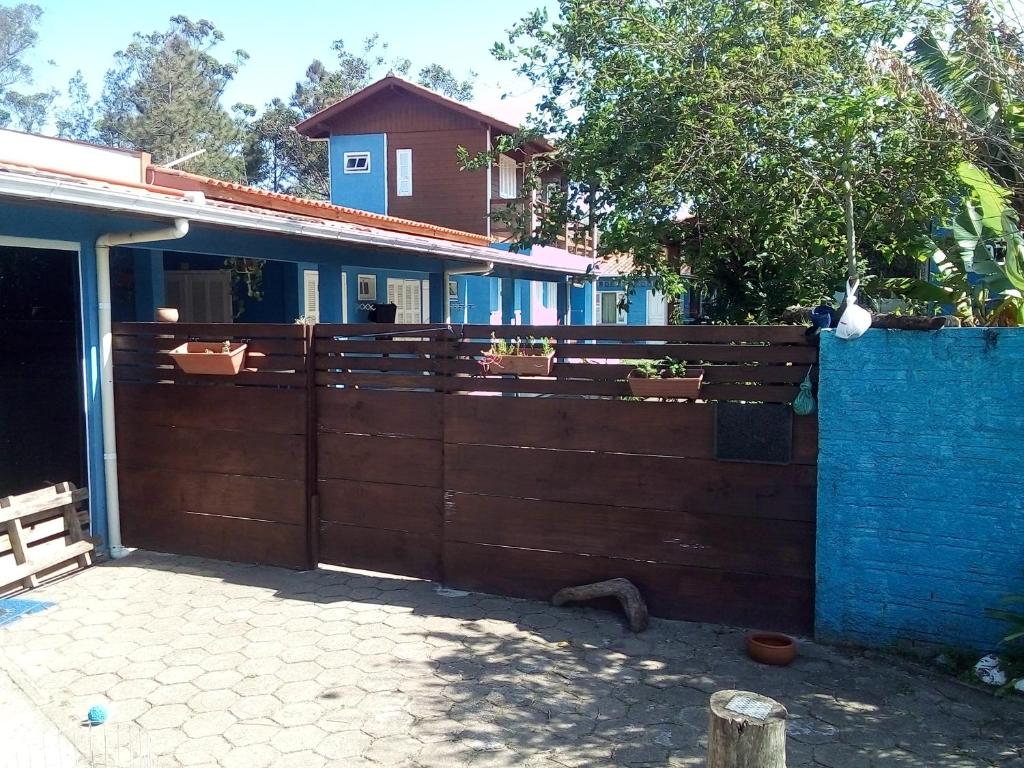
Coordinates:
<point>746,730</point>
<point>622,589</point>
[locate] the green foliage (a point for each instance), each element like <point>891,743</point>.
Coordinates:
<point>986,241</point>
<point>1012,653</point>
<point>516,347</point>
<point>163,96</point>
<point>18,35</point>
<point>755,119</point>
<point>77,120</point>
<point>665,368</point>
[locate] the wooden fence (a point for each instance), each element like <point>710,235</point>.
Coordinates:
<point>214,465</point>
<point>390,448</point>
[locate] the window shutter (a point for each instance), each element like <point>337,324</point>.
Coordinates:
<point>311,294</point>
<point>403,172</point>
<point>425,300</point>
<point>507,178</point>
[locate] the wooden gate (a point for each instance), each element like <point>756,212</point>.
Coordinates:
<point>520,486</point>
<point>216,466</point>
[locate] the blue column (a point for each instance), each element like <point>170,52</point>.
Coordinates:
<point>330,293</point>
<point>438,298</point>
<point>148,267</point>
<point>508,301</point>
<point>524,296</point>
<point>562,302</point>
<point>582,300</point>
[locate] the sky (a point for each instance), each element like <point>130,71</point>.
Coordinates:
<point>282,38</point>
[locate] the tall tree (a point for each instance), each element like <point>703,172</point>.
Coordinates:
<point>278,158</point>
<point>77,120</point>
<point>767,122</point>
<point>17,38</point>
<point>163,95</point>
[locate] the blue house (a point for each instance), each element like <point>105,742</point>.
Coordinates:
<point>393,149</point>
<point>89,234</point>
<point>618,301</point>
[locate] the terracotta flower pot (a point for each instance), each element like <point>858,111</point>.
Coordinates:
<point>771,648</point>
<point>686,387</point>
<point>208,358</point>
<point>167,315</point>
<point>522,365</point>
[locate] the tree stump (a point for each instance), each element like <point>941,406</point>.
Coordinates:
<point>746,730</point>
<point>622,589</point>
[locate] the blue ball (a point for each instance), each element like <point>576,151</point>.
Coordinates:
<point>97,714</point>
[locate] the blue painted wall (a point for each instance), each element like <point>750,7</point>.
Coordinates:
<point>920,485</point>
<point>365,191</point>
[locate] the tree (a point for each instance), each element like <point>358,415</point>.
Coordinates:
<point>163,96</point>
<point>17,37</point>
<point>278,158</point>
<point>77,120</point>
<point>760,137</point>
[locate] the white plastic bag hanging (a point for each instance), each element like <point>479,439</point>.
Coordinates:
<point>854,320</point>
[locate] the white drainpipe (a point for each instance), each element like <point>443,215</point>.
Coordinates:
<point>482,271</point>
<point>103,244</point>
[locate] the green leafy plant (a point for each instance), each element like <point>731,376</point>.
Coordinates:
<point>665,368</point>
<point>986,241</point>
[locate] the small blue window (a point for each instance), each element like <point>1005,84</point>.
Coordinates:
<point>357,162</point>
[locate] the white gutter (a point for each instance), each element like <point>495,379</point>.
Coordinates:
<point>486,269</point>
<point>103,244</point>
<point>38,187</point>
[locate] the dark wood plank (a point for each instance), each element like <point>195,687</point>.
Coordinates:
<point>381,380</point>
<point>376,459</point>
<point>209,450</point>
<point>251,409</point>
<point>671,591</point>
<point>150,490</point>
<point>167,342</point>
<point>223,538</point>
<point>381,413</point>
<point>409,508</point>
<point>786,492</point>
<point>665,429</point>
<point>378,363</point>
<point>256,361</point>
<point>708,540</point>
<point>171,374</point>
<point>407,554</point>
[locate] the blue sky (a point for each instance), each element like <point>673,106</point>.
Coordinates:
<point>282,38</point>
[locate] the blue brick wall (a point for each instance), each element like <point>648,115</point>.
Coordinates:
<point>920,485</point>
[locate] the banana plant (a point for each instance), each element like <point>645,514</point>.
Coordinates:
<point>987,242</point>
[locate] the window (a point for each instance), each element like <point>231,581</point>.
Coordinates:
<point>311,295</point>
<point>609,308</point>
<point>403,172</point>
<point>201,296</point>
<point>411,297</point>
<point>357,162</point>
<point>507,178</point>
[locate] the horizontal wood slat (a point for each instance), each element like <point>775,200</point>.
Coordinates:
<point>379,413</point>
<point>213,330</point>
<point>376,459</point>
<point>375,549</point>
<point>671,591</point>
<point>212,493</point>
<point>659,429</point>
<point>387,506</point>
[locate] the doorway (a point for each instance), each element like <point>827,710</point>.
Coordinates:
<point>42,420</point>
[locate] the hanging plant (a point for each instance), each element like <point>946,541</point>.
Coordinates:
<point>248,274</point>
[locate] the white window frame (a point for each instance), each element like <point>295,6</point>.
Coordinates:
<point>508,184</point>
<point>356,156</point>
<point>621,316</point>
<point>311,294</point>
<point>403,185</point>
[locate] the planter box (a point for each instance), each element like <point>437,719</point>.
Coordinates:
<point>687,387</point>
<point>523,365</point>
<point>206,357</point>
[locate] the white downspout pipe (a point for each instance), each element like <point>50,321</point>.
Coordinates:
<point>486,269</point>
<point>103,244</point>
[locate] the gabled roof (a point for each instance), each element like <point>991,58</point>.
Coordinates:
<point>318,125</point>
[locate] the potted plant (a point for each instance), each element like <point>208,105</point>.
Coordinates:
<point>531,359</point>
<point>210,358</point>
<point>665,378</point>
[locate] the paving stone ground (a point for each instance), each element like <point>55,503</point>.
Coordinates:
<point>250,667</point>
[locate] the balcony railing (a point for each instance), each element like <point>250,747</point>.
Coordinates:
<point>575,238</point>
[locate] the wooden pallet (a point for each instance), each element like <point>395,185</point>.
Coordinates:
<point>43,532</point>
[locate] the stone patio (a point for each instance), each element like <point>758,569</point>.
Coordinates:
<point>248,667</point>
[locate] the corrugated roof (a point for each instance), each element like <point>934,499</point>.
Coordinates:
<point>227,191</point>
